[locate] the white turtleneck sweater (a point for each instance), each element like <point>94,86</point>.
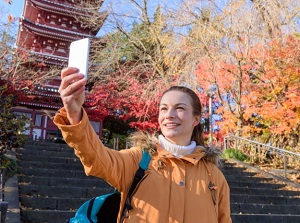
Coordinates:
<point>176,150</point>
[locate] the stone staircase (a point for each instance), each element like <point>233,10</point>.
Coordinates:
<point>52,185</point>
<point>256,198</point>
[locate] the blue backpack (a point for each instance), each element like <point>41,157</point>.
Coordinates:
<point>105,208</point>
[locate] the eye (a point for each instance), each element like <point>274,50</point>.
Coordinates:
<point>180,108</point>
<point>163,109</point>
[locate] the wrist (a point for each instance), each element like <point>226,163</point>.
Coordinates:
<point>74,117</point>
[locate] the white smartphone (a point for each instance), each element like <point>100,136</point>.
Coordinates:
<point>79,55</point>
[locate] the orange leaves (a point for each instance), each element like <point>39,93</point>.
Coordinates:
<point>10,18</point>
<point>42,64</point>
<point>266,82</point>
<point>8,1</point>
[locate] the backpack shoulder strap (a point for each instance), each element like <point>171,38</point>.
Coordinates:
<point>145,160</point>
<point>146,157</point>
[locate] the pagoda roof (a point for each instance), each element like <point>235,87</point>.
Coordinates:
<point>55,33</point>
<point>66,9</point>
<point>61,8</point>
<point>50,58</point>
<point>40,105</point>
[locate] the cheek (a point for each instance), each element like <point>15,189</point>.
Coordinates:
<point>159,119</point>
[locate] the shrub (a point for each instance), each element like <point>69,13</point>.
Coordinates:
<point>235,154</point>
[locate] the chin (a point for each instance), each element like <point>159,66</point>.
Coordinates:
<point>169,134</point>
<point>170,138</point>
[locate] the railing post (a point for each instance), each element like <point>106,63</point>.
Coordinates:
<point>210,122</point>
<point>235,144</point>
<point>3,204</point>
<point>3,207</point>
<point>115,143</point>
<point>284,163</point>
<point>225,143</point>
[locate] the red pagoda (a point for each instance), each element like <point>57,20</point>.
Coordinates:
<point>46,29</point>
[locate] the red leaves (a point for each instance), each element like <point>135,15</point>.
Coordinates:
<point>127,97</point>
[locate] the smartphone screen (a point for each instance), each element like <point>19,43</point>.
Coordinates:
<point>79,55</point>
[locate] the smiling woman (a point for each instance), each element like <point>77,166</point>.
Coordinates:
<point>179,115</point>
<point>182,182</point>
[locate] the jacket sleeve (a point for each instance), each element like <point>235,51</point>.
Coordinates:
<point>115,167</point>
<point>224,200</point>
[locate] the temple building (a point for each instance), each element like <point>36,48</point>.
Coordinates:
<point>46,29</point>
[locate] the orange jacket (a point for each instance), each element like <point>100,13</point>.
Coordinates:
<point>174,190</point>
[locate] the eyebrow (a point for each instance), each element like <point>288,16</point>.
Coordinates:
<point>175,104</point>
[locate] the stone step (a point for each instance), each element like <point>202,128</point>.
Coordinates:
<point>232,168</point>
<point>246,177</point>
<point>52,172</point>
<point>45,216</point>
<point>47,146</point>
<point>53,203</point>
<point>264,208</point>
<point>89,181</point>
<point>49,159</point>
<point>74,165</point>
<point>264,199</point>
<point>251,184</point>
<point>232,174</point>
<point>264,191</point>
<point>58,191</point>
<point>264,218</point>
<point>45,152</point>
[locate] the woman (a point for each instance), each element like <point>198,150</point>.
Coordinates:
<point>182,183</point>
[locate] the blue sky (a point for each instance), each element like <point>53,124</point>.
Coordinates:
<point>15,8</point>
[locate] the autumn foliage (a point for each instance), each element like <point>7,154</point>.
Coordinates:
<point>126,97</point>
<point>246,50</point>
<point>259,91</point>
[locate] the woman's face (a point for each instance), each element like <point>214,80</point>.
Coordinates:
<point>176,117</point>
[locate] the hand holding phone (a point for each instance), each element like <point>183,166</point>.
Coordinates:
<point>79,55</point>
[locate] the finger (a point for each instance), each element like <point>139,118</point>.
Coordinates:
<point>75,78</point>
<point>70,98</point>
<point>73,88</point>
<point>65,77</point>
<point>67,71</point>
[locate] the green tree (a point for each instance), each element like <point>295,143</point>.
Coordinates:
<point>12,126</point>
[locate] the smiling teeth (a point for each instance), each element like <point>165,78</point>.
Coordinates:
<point>171,125</point>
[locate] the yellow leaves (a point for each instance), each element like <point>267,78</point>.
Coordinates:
<point>277,90</point>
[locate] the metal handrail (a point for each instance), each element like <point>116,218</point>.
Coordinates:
<point>281,151</point>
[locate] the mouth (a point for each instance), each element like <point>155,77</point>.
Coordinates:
<point>171,125</point>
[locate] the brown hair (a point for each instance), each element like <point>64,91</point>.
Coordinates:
<point>197,134</point>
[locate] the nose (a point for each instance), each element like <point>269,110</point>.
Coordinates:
<point>170,114</point>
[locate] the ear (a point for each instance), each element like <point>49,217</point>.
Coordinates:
<point>197,120</point>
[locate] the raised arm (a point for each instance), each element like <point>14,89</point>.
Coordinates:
<point>72,93</point>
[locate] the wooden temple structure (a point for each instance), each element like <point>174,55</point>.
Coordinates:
<point>46,29</point>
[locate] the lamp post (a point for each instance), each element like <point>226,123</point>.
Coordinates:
<point>210,93</point>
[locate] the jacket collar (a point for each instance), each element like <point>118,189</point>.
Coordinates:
<point>193,158</point>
